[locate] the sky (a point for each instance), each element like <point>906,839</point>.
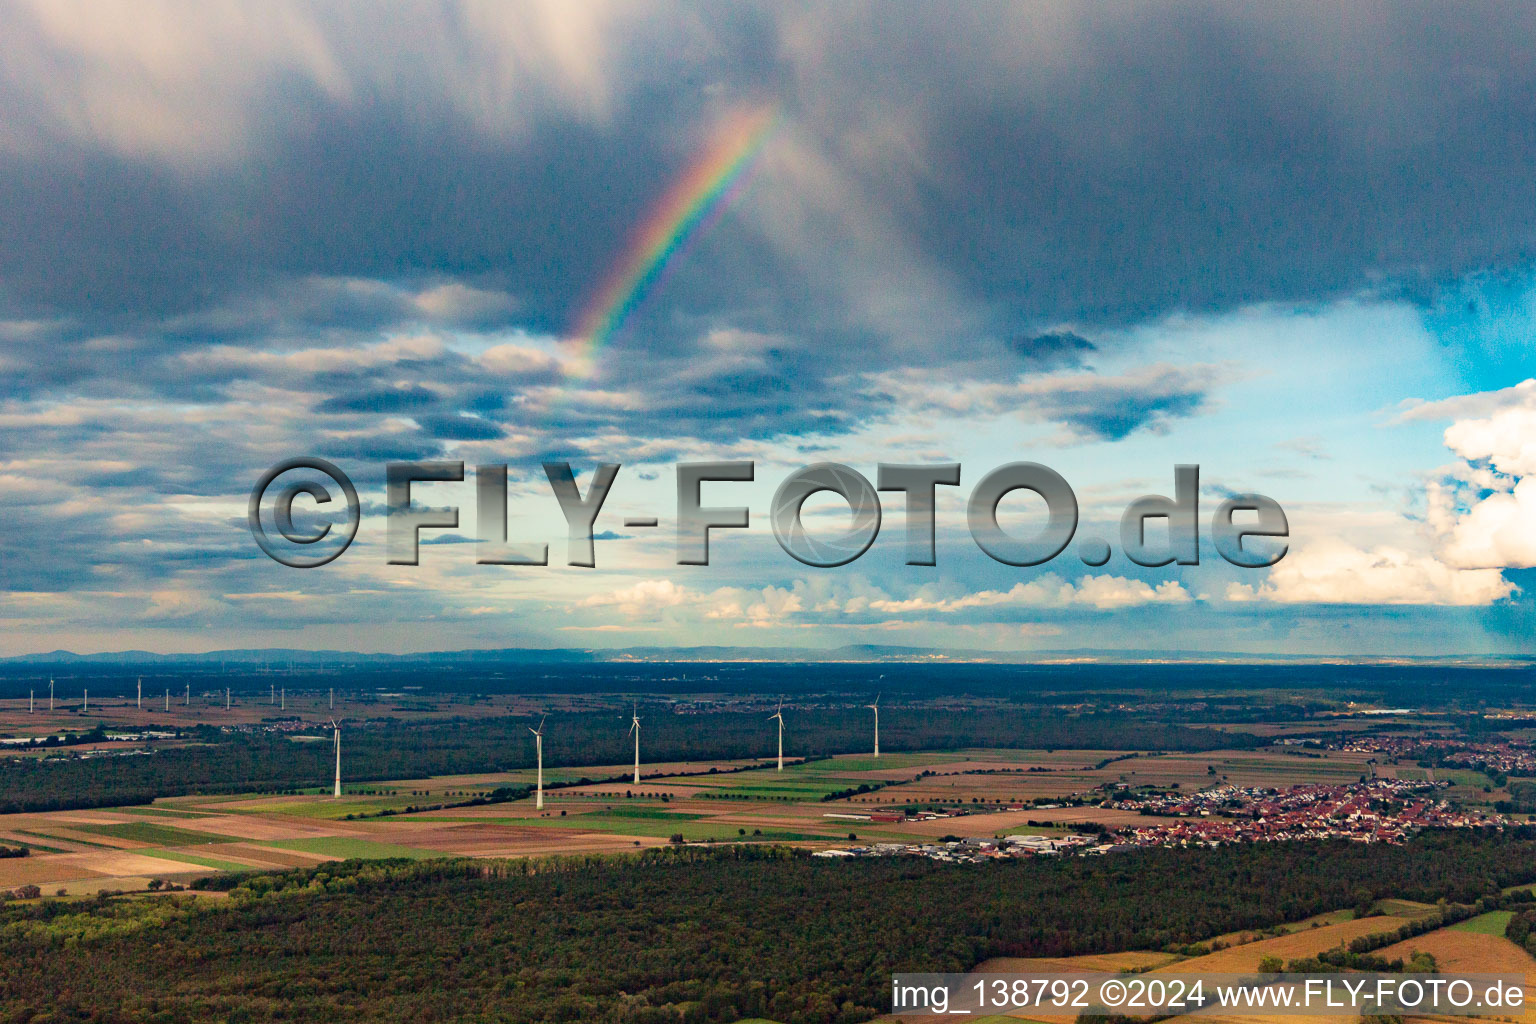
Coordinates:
<point>1293,245</point>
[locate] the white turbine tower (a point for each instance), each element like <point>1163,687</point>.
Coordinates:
<point>167,701</point>
<point>634,727</point>
<point>333,698</point>
<point>337,791</point>
<point>139,701</point>
<point>779,714</point>
<point>31,695</point>
<point>50,693</point>
<point>87,706</point>
<point>188,701</point>
<point>875,707</point>
<point>285,699</point>
<point>538,746</point>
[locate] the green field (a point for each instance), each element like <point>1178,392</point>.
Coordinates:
<point>337,810</point>
<point>1464,778</point>
<point>655,813</point>
<point>155,833</point>
<point>1492,923</point>
<point>192,858</point>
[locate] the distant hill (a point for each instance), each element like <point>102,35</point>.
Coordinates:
<point>850,653</point>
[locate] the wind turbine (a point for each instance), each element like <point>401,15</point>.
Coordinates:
<point>31,695</point>
<point>50,693</point>
<point>779,714</point>
<point>189,695</point>
<point>226,698</point>
<point>333,698</point>
<point>875,707</point>
<point>337,727</point>
<point>538,745</point>
<point>167,701</point>
<point>87,706</point>
<point>285,699</point>
<point>634,727</point>
<point>139,701</point>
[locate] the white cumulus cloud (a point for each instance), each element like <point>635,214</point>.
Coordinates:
<point>1337,572</point>
<point>1049,591</point>
<point>1485,512</point>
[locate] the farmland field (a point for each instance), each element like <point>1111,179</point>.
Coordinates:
<point>344,847</point>
<point>1491,923</point>
<point>720,801</point>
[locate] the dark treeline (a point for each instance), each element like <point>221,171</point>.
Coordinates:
<point>1421,686</point>
<point>396,750</point>
<point>687,935</point>
<point>1521,930</point>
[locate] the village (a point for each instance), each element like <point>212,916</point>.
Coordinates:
<point>1377,810</point>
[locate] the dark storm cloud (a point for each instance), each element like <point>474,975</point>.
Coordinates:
<point>394,400</point>
<point>1059,161</point>
<point>413,447</point>
<point>297,230</point>
<point>1052,350</point>
<point>1095,162</point>
<point>460,428</point>
<point>1112,417</point>
<point>946,186</point>
<point>1109,409</point>
<point>1093,407</point>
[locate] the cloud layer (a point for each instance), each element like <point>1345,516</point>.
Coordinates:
<point>236,232</point>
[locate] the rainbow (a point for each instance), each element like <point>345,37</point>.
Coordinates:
<point>694,202</point>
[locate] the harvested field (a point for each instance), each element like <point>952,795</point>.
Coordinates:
<point>1303,943</point>
<point>253,827</point>
<point>1469,952</point>
<point>1463,951</point>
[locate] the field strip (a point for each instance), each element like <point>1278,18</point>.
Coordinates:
<point>158,812</point>
<point>195,859</point>
<point>14,839</point>
<point>1293,946</point>
<point>347,847</point>
<point>63,835</point>
<point>154,834</point>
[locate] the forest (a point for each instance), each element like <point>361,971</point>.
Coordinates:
<point>674,935</point>
<point>391,749</point>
